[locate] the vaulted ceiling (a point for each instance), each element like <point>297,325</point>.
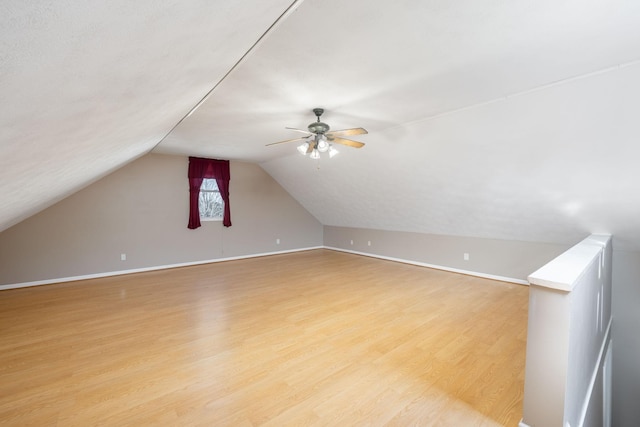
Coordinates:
<point>512,120</point>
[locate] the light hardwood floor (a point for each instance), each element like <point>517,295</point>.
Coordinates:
<point>312,338</point>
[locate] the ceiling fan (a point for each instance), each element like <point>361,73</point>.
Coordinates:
<point>320,139</point>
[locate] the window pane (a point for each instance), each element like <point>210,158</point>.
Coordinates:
<point>209,184</point>
<point>210,202</point>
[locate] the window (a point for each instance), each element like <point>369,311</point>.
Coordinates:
<point>199,170</point>
<point>210,201</point>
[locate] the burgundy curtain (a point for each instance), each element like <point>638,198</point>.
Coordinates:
<point>199,169</point>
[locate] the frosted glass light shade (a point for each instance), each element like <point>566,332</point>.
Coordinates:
<point>323,145</point>
<point>315,154</point>
<point>332,151</point>
<point>302,148</point>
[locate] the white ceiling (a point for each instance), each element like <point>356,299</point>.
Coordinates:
<point>86,87</point>
<point>514,120</point>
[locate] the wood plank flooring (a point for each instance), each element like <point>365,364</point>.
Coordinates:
<point>312,338</point>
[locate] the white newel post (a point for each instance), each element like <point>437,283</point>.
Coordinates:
<point>568,337</point>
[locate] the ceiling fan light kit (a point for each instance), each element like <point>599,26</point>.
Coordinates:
<point>320,138</point>
<point>302,148</point>
<point>315,154</point>
<point>322,144</point>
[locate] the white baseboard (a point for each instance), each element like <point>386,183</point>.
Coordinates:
<point>437,267</point>
<point>141,270</point>
<point>188,264</point>
<point>522,424</point>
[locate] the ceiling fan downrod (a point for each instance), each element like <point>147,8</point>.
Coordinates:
<point>318,127</point>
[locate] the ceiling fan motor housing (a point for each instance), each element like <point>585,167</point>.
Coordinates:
<point>318,127</point>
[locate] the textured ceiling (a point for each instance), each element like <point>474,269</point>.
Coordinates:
<point>86,87</point>
<point>513,120</point>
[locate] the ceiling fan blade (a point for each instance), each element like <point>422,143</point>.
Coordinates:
<point>299,130</point>
<point>347,132</point>
<point>288,140</point>
<point>349,142</point>
<point>312,145</point>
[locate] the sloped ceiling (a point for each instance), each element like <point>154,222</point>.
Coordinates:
<point>514,120</point>
<point>86,87</point>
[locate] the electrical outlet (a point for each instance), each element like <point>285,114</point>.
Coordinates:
<point>277,241</point>
<point>368,242</point>
<point>352,242</point>
<point>466,256</point>
<point>123,257</point>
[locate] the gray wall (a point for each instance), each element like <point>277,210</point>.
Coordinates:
<point>505,258</point>
<point>142,210</point>
<point>626,339</point>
